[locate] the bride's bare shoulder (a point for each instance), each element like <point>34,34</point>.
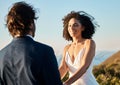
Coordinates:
<point>88,41</point>
<point>67,47</point>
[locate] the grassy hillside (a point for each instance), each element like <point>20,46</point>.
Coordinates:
<point>108,72</point>
<point>115,58</point>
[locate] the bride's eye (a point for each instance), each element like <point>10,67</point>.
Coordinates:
<point>69,25</point>
<point>75,25</point>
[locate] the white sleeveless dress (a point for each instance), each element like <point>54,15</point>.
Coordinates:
<point>87,78</point>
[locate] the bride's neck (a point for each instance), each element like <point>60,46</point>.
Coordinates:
<point>77,41</point>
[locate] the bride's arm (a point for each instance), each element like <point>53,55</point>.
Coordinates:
<point>85,62</point>
<point>63,67</point>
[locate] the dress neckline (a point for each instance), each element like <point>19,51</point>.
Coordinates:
<point>76,57</point>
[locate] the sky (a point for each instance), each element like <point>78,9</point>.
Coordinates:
<point>49,26</point>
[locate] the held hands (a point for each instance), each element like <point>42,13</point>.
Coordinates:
<point>65,83</point>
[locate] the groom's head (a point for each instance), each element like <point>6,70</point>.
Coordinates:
<point>20,19</point>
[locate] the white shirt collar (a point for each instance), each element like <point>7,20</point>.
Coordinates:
<point>29,36</point>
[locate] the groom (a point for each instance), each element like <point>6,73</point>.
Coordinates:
<point>25,61</point>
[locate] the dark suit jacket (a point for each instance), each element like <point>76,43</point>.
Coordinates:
<point>27,62</point>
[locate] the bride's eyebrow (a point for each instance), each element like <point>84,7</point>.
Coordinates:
<point>73,23</point>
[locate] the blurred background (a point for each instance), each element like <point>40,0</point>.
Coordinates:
<point>49,24</point>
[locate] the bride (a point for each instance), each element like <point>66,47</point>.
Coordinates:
<point>78,55</point>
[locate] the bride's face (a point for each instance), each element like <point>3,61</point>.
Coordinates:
<point>75,28</point>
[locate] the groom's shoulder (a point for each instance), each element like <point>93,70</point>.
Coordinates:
<point>43,45</point>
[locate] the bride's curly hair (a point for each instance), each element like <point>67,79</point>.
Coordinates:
<point>85,19</point>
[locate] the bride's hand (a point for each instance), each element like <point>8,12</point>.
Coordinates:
<point>65,84</point>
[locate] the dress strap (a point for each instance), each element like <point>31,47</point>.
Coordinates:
<point>85,44</point>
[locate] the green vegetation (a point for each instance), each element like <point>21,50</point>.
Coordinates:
<point>108,72</point>
<point>66,77</point>
<point>107,75</point>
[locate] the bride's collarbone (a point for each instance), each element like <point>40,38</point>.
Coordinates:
<point>74,51</point>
